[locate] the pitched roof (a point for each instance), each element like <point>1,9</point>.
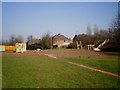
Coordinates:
<point>77,37</point>
<point>60,37</point>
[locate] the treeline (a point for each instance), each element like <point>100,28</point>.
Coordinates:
<point>98,36</point>
<point>13,40</point>
<point>43,43</point>
<point>95,37</point>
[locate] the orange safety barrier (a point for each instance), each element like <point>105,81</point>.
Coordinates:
<point>10,47</point>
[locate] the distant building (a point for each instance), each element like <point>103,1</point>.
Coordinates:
<point>60,40</point>
<point>33,41</point>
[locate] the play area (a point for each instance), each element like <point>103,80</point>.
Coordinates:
<point>60,44</point>
<point>60,68</point>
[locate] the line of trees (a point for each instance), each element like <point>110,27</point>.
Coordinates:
<point>43,43</point>
<point>113,34</point>
<point>99,35</point>
<point>13,40</point>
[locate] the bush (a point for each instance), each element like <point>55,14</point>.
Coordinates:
<point>111,47</point>
<point>72,45</point>
<point>44,43</point>
<point>34,46</point>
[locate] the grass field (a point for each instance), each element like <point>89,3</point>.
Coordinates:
<point>40,71</point>
<point>0,70</point>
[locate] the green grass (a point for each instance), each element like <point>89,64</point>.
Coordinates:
<point>0,70</point>
<point>9,51</point>
<point>108,64</point>
<point>46,72</point>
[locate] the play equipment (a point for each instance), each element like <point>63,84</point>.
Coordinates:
<point>79,45</point>
<point>99,46</point>
<point>90,47</point>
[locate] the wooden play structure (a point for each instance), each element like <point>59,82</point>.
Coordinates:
<point>90,47</point>
<point>79,45</point>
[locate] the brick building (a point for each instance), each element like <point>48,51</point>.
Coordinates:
<point>60,40</point>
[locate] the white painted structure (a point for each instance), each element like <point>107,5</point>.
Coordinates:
<point>21,47</point>
<point>38,49</point>
<point>90,47</point>
<point>98,48</point>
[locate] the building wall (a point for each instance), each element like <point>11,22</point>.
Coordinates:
<point>10,47</point>
<point>61,43</point>
<point>2,48</point>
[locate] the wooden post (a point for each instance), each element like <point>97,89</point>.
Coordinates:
<point>80,45</point>
<point>88,47</point>
<point>77,44</point>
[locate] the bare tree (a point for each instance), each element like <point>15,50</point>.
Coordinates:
<point>5,42</point>
<point>95,29</point>
<point>89,31</point>
<point>13,39</point>
<point>115,28</point>
<point>30,37</point>
<point>19,39</point>
<point>46,41</point>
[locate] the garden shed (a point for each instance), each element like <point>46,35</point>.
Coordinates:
<point>21,47</point>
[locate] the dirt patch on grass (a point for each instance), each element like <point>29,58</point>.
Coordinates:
<point>61,53</point>
<point>96,70</point>
<point>50,55</point>
<point>74,52</point>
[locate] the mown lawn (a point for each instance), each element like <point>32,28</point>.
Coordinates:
<point>46,72</point>
<point>0,70</point>
<point>105,63</point>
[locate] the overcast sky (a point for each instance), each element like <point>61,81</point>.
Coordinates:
<point>67,18</point>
